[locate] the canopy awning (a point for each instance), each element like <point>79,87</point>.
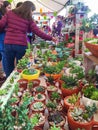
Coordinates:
<point>45,5</point>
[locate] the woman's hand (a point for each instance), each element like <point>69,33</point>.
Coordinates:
<point>54,39</point>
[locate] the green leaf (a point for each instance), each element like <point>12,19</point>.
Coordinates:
<point>10,1</point>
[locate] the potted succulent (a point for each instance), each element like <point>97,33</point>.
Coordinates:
<point>51,105</point>
<point>71,100</point>
<point>28,53</point>
<point>37,120</point>
<point>16,100</point>
<point>22,64</point>
<point>56,118</point>
<point>81,117</point>
<point>90,95</point>
<point>69,85</point>
<point>23,84</point>
<point>50,81</point>
<point>54,71</point>
<point>26,94</point>
<point>51,89</point>
<point>55,96</point>
<point>40,97</point>
<point>54,106</point>
<point>33,83</point>
<point>37,107</point>
<point>30,74</point>
<point>55,128</point>
<point>39,89</point>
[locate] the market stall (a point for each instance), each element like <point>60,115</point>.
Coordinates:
<point>53,87</point>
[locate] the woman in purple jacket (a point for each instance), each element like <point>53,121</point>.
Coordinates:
<point>19,22</point>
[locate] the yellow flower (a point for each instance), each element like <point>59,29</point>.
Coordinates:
<point>87,25</point>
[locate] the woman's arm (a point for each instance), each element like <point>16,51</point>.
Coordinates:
<point>38,32</point>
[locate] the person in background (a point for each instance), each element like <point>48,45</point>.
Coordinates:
<point>4,8</point>
<point>54,29</point>
<point>46,29</point>
<point>19,4</point>
<point>19,21</point>
<point>59,26</point>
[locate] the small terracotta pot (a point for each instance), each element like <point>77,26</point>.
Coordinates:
<point>36,91</point>
<point>36,82</point>
<point>95,127</point>
<point>37,110</point>
<point>55,76</point>
<point>50,90</point>
<point>40,100</point>
<point>37,128</point>
<point>95,123</point>
<point>68,91</point>
<point>61,124</point>
<point>23,83</point>
<point>40,125</point>
<point>67,105</point>
<point>19,70</point>
<point>55,83</point>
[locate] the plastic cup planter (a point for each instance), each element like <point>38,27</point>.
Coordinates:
<point>30,74</point>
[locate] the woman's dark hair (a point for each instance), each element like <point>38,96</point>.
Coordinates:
<point>24,11</point>
<point>19,4</point>
<point>3,7</point>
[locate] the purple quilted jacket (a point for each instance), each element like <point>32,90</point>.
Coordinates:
<point>17,29</point>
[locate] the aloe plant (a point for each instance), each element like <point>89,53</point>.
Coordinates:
<point>69,81</point>
<point>73,99</point>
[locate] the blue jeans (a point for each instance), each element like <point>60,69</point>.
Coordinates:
<point>13,51</point>
<point>2,36</point>
<point>3,60</point>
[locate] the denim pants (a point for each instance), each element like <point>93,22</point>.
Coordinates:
<point>13,51</point>
<point>2,36</point>
<point>3,60</point>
